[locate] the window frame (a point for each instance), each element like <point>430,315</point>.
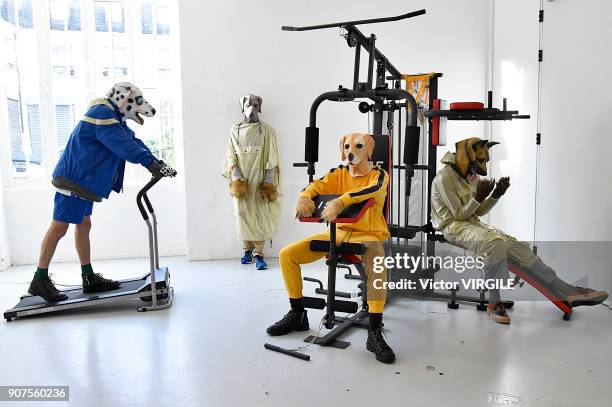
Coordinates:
<point>48,130</point>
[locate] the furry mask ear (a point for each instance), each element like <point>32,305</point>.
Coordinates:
<point>477,144</point>
<point>260,100</point>
<point>241,101</point>
<point>342,139</point>
<point>370,142</point>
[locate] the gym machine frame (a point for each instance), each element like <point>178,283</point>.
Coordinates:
<point>384,99</point>
<point>380,93</point>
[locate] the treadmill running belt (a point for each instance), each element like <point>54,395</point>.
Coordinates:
<point>78,295</point>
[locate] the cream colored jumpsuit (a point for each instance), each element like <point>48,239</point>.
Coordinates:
<point>253,148</point>
<point>456,214</point>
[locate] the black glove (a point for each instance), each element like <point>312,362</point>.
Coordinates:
<point>500,188</point>
<point>160,169</point>
<point>483,189</point>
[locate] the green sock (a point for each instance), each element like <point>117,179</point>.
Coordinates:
<point>86,270</point>
<point>41,273</point>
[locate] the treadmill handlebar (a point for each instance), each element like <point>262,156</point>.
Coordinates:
<point>142,195</point>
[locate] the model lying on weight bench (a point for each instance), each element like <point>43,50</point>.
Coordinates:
<point>357,182</point>
<point>459,198</point>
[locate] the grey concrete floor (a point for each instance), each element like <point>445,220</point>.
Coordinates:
<point>207,350</point>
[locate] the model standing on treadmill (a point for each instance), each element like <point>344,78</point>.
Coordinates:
<point>91,166</point>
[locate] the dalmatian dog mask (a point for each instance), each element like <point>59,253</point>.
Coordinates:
<point>251,107</point>
<point>130,102</point>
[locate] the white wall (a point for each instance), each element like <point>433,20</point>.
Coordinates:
<point>574,197</point>
<point>576,145</point>
<point>574,194</point>
<point>515,76</point>
<point>118,229</point>
<point>233,48</point>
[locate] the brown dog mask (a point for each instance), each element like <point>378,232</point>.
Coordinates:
<point>357,149</point>
<point>472,155</point>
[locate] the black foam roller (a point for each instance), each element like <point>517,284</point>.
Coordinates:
<point>411,145</point>
<point>311,149</point>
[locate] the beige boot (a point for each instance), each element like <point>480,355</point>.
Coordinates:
<point>497,312</point>
<point>585,296</point>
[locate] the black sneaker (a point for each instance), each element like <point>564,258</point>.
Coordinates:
<point>44,287</point>
<point>376,344</point>
<point>96,283</point>
<point>292,321</point>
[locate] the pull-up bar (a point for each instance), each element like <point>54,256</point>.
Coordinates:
<point>376,89</point>
<point>356,22</point>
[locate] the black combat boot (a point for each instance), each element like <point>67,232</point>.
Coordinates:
<point>45,287</point>
<point>376,341</point>
<point>94,283</point>
<point>295,320</point>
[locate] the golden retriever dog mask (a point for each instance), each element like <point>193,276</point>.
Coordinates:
<point>357,149</point>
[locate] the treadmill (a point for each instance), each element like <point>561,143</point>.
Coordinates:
<point>156,280</point>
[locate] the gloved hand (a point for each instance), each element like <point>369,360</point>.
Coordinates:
<point>304,207</point>
<point>500,188</point>
<point>332,210</point>
<point>268,191</point>
<point>160,169</point>
<point>483,189</point>
<point>239,188</point>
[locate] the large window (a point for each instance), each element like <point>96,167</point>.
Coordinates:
<point>8,11</point>
<point>35,136</point>
<point>84,46</point>
<point>26,14</point>
<point>64,122</point>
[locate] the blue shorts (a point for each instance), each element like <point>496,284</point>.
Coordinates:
<point>70,209</point>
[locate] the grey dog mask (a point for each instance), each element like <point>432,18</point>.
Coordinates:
<point>251,107</point>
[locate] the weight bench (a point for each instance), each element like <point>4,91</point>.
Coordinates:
<point>553,295</point>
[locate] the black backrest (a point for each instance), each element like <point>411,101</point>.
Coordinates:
<point>382,156</point>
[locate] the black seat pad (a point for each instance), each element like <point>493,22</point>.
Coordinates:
<point>344,248</point>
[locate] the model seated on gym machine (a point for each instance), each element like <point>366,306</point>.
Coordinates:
<point>355,183</point>
<point>90,168</point>
<point>459,198</point>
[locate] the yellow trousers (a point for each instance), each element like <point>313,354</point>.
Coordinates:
<point>297,253</point>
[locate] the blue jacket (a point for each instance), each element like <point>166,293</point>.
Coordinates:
<point>97,149</point>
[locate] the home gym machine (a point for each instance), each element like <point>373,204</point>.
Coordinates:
<point>385,100</point>
<point>157,280</point>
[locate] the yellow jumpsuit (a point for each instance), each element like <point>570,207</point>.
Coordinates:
<point>371,229</point>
